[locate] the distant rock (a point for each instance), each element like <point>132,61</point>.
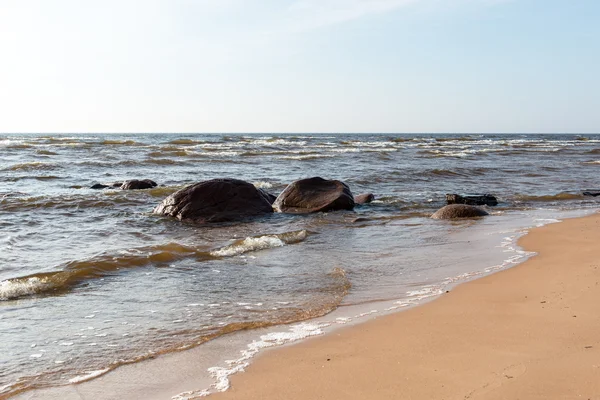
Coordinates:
<point>454,211</point>
<point>593,193</point>
<point>132,184</point>
<point>216,200</point>
<point>472,199</point>
<point>364,198</point>
<point>314,195</point>
<point>99,186</point>
<point>136,184</point>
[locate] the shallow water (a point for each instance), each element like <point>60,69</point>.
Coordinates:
<point>91,279</point>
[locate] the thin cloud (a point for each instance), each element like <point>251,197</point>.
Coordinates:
<point>305,15</point>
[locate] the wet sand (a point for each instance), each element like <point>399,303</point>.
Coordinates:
<point>530,332</point>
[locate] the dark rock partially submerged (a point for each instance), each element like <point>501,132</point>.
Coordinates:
<point>454,211</point>
<point>133,184</point>
<point>99,186</point>
<point>472,199</point>
<point>364,198</point>
<point>216,200</point>
<point>136,184</point>
<point>314,195</point>
<point>593,193</point>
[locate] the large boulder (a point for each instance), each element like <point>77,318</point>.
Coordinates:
<point>364,198</point>
<point>472,199</point>
<point>454,211</point>
<point>136,184</point>
<point>216,200</point>
<point>269,196</point>
<point>314,195</point>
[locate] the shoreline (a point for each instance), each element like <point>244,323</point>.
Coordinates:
<point>525,332</point>
<point>185,372</point>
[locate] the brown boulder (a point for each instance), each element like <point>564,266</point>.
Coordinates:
<point>364,198</point>
<point>216,200</point>
<point>454,211</point>
<point>136,184</point>
<point>314,195</point>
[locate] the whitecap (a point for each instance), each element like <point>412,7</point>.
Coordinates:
<point>89,375</point>
<point>259,243</point>
<point>12,289</point>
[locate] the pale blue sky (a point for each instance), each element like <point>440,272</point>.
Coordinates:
<point>300,66</point>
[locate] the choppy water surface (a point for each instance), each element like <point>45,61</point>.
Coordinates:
<point>90,280</point>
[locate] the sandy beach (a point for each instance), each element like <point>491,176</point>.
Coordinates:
<point>530,332</point>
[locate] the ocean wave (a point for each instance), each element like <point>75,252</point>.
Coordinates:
<point>64,202</point>
<point>33,166</point>
<point>111,142</point>
<point>89,375</point>
<point>186,142</point>
<point>159,161</point>
<point>170,153</point>
<point>260,243</point>
<point>562,196</point>
<point>307,157</point>
<point>76,272</point>
<point>46,153</point>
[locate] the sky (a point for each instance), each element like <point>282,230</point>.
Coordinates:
<point>389,66</point>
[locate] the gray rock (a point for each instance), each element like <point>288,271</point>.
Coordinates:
<point>454,211</point>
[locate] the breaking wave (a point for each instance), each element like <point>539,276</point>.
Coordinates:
<point>260,243</point>
<point>76,272</point>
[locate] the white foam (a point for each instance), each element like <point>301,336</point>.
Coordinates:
<point>263,185</point>
<point>89,375</point>
<point>222,374</point>
<point>259,243</point>
<point>12,289</point>
<point>249,244</point>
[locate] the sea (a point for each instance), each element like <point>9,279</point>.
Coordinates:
<point>91,280</point>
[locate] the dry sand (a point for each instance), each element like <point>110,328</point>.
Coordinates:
<point>530,332</point>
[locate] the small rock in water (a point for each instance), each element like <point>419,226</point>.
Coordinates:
<point>133,184</point>
<point>455,211</point>
<point>593,193</point>
<point>472,199</point>
<point>364,198</point>
<point>136,184</point>
<point>98,186</point>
